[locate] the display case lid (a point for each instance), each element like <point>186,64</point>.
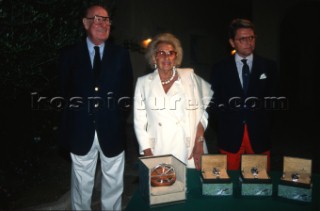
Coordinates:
<point>299,165</point>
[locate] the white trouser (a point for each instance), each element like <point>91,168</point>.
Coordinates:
<point>83,174</point>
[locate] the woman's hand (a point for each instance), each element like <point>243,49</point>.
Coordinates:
<point>197,152</point>
<point>198,147</point>
<point>147,152</point>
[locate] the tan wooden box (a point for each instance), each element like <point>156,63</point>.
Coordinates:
<point>254,179</point>
<point>165,194</point>
<point>296,182</point>
<point>214,177</point>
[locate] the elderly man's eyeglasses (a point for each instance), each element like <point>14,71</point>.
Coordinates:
<point>243,40</point>
<point>166,53</point>
<point>97,19</point>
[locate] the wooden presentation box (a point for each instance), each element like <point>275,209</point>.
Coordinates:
<point>295,182</point>
<point>214,177</point>
<point>254,178</point>
<point>162,194</point>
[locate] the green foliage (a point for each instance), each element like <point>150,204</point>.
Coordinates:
<point>32,32</point>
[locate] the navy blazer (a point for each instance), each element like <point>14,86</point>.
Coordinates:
<point>90,105</point>
<point>232,108</point>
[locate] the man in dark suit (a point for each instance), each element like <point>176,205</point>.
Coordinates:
<point>242,85</point>
<point>96,89</point>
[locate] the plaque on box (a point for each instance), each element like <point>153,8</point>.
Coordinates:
<point>214,177</point>
<point>162,179</point>
<point>296,183</point>
<point>254,178</point>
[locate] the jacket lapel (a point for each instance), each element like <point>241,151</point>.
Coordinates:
<point>256,71</point>
<point>106,65</point>
<point>155,84</point>
<point>84,61</point>
<point>233,75</point>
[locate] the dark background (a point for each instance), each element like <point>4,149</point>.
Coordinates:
<point>32,32</point>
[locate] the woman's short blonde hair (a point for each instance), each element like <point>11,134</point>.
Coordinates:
<point>164,38</point>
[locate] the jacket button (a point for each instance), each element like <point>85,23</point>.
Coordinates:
<point>160,124</point>
<point>96,88</point>
<point>96,105</point>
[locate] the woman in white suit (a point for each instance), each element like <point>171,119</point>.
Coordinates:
<point>169,105</point>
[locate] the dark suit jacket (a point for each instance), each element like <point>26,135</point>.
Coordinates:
<point>231,107</point>
<point>90,105</point>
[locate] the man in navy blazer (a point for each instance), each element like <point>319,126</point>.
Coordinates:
<point>240,102</point>
<point>94,116</point>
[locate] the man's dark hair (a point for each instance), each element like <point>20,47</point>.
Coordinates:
<point>237,24</point>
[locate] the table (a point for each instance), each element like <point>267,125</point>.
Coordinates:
<point>196,201</point>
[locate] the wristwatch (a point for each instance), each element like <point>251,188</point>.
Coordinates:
<point>200,139</point>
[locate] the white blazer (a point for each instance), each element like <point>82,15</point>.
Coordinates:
<point>167,122</point>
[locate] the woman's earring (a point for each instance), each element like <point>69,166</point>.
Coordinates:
<point>155,66</point>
